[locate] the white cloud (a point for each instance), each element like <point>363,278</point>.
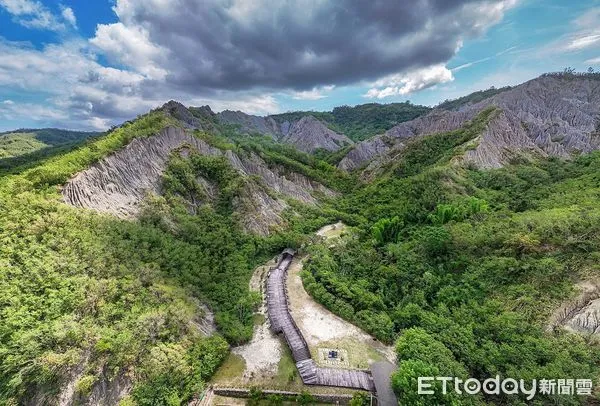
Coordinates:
<point>32,14</point>
<point>35,112</point>
<point>82,94</point>
<point>584,41</point>
<point>315,93</point>
<point>478,61</point>
<point>593,60</point>
<point>406,83</point>
<point>233,54</point>
<point>585,34</point>
<point>249,103</point>
<point>131,46</point>
<point>589,19</point>
<point>69,16</point>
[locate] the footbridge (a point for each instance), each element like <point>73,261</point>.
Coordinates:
<point>282,322</point>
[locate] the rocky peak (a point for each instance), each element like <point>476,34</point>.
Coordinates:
<point>309,134</point>
<point>306,134</point>
<point>120,182</point>
<point>179,112</point>
<point>250,124</point>
<point>550,115</point>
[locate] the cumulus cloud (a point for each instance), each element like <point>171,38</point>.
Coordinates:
<point>69,16</point>
<point>236,54</point>
<point>130,45</point>
<point>83,94</point>
<point>237,44</point>
<point>403,84</point>
<point>33,14</point>
<point>37,112</point>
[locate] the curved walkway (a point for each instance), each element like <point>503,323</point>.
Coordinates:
<point>282,322</point>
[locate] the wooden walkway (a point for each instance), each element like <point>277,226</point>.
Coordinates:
<point>282,322</point>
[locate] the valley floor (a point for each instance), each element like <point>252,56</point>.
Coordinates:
<point>267,362</point>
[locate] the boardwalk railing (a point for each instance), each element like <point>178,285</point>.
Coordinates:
<point>283,322</point>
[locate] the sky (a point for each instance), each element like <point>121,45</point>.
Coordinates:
<point>88,65</point>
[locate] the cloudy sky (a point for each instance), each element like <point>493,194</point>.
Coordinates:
<point>86,64</point>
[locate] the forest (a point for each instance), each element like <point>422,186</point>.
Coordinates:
<point>460,268</point>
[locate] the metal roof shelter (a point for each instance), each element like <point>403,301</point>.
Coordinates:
<point>282,322</point>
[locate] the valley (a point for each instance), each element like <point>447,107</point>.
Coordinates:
<point>460,242</point>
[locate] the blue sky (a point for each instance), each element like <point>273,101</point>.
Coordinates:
<point>91,64</point>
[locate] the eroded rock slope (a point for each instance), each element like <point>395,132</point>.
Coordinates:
<point>306,134</point>
<point>119,183</point>
<point>551,115</point>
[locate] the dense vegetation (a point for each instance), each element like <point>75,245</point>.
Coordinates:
<point>462,268</point>
<point>362,121</point>
<point>119,300</point>
<point>26,141</point>
<point>472,98</point>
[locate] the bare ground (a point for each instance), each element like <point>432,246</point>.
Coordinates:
<point>582,314</point>
<point>264,360</point>
<point>322,328</point>
<point>263,353</point>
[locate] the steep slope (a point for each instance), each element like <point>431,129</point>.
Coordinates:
<point>309,135</point>
<point>357,122</point>
<point>361,121</point>
<point>26,141</point>
<point>306,133</point>
<point>250,124</point>
<point>97,310</point>
<point>555,114</point>
<point>118,183</point>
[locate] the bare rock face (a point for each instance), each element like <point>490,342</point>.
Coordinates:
<point>395,137</point>
<point>250,124</point>
<point>549,115</point>
<point>258,211</point>
<point>118,183</point>
<point>309,134</point>
<point>181,113</point>
<point>581,315</point>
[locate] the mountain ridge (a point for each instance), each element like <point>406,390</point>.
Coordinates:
<point>535,118</point>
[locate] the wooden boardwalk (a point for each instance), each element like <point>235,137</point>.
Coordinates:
<point>282,322</point>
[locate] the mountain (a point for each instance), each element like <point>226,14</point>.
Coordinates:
<point>471,238</point>
<point>310,131</point>
<point>118,183</point>
<point>362,121</point>
<point>553,115</point>
<point>26,141</point>
<point>306,134</point>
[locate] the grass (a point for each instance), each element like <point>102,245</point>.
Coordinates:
<point>359,352</point>
<point>231,370</point>
<point>287,374</point>
<point>258,319</point>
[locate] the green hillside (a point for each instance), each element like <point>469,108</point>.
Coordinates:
<point>121,297</point>
<point>460,267</point>
<point>26,141</point>
<point>364,120</point>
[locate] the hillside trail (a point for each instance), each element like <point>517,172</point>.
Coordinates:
<point>322,329</point>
